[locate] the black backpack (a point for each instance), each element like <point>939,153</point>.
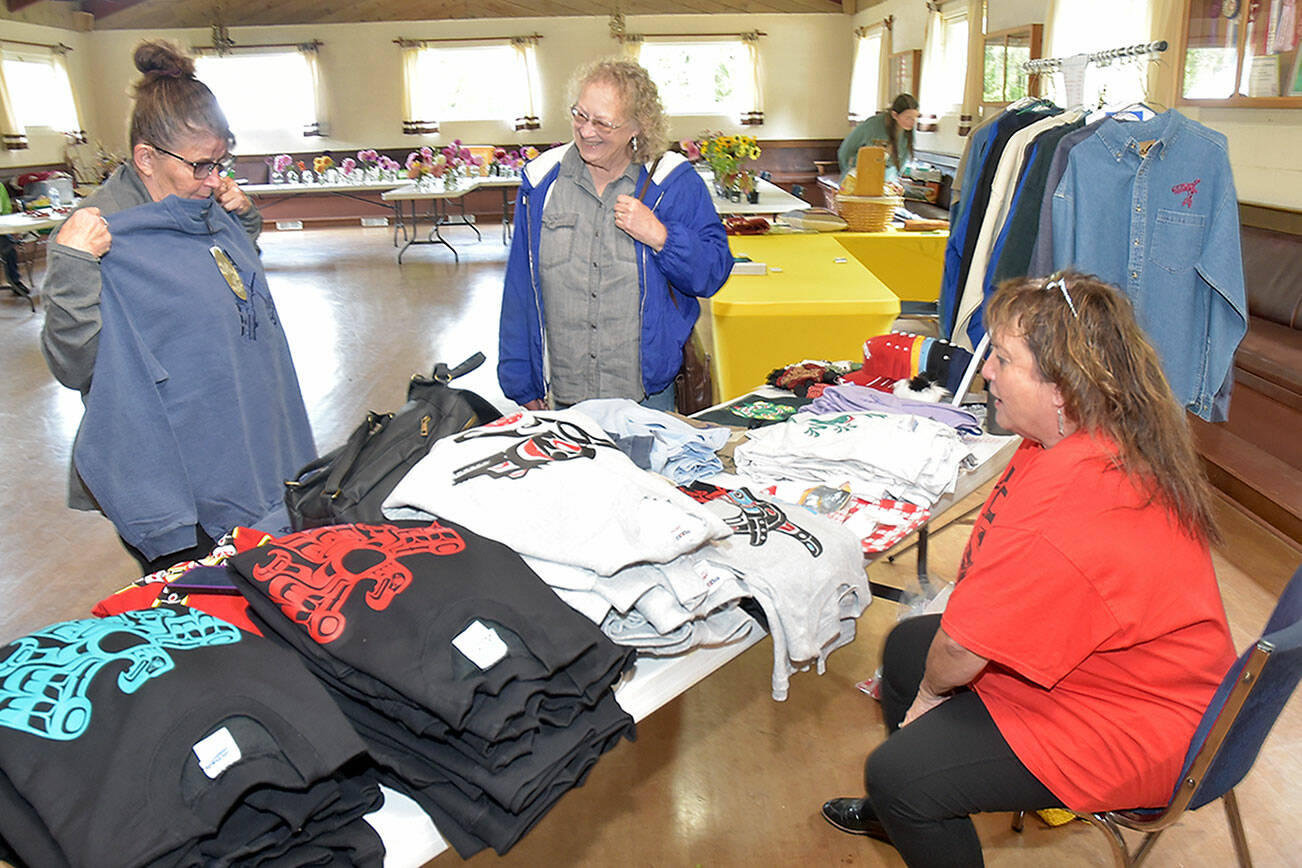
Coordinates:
<point>348,484</point>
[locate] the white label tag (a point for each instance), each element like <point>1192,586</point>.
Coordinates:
<point>217,752</point>
<point>712,573</point>
<point>481,644</point>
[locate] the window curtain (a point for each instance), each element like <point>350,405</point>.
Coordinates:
<point>526,53</point>
<point>13,136</point>
<point>413,88</point>
<point>865,76</point>
<point>933,71</point>
<point>884,62</point>
<point>311,52</point>
<point>58,59</point>
<point>755,116</point>
<point>972,82</point>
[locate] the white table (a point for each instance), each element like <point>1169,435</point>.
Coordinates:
<point>22,226</point>
<point>410,837</point>
<point>438,213</point>
<point>772,200</point>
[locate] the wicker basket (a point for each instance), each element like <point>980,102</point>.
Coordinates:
<point>867,213</point>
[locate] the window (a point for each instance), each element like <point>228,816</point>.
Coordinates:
<point>263,92</point>
<point>467,82</point>
<point>944,63</point>
<point>701,78</point>
<point>864,85</point>
<point>40,94</point>
<point>1003,79</point>
<point>1099,26</point>
<point>1259,41</point>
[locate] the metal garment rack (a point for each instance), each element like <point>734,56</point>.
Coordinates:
<point>1053,64</point>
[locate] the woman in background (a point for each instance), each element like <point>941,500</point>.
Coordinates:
<point>891,129</point>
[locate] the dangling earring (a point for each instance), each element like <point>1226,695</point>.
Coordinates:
<point>1061,432</point>
<point>632,144</point>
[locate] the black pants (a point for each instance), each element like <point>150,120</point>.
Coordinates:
<point>203,545</point>
<point>9,255</point>
<point>927,778</point>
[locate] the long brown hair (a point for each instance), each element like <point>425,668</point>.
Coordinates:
<point>899,105</point>
<point>1111,383</point>
<point>170,103</point>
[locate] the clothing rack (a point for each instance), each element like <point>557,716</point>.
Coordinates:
<point>1053,64</point>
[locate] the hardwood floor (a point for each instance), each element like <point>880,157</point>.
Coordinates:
<point>724,775</point>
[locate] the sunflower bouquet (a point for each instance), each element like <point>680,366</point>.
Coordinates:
<point>725,154</point>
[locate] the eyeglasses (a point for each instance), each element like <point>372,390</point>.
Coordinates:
<point>1057,282</point>
<point>202,168</point>
<point>581,117</point>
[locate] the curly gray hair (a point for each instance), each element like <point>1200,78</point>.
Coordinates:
<point>640,97</point>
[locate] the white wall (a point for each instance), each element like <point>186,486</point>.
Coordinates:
<point>805,60</point>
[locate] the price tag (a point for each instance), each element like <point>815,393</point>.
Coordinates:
<point>217,752</point>
<point>481,644</point>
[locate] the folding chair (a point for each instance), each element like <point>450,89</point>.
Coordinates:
<point>1227,741</point>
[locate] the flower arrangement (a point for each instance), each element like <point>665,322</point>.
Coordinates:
<point>282,163</point>
<point>388,164</point>
<point>347,165</point>
<point>725,154</point>
<point>368,157</point>
<point>322,163</point>
<point>421,163</point>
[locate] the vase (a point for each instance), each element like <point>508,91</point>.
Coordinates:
<point>277,178</point>
<point>427,183</point>
<point>372,173</point>
<point>291,177</point>
<point>451,181</point>
<point>734,195</point>
<point>307,176</point>
<point>330,176</point>
<point>753,197</point>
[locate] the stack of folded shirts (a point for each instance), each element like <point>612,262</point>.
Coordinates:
<point>477,691</point>
<point>554,486</point>
<point>878,455</point>
<point>805,571</point>
<point>169,737</point>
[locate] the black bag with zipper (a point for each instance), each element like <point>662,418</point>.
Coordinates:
<point>348,484</point>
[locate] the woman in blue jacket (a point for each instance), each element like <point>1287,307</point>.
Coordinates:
<point>610,254</point>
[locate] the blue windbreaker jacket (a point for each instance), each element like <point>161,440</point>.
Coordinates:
<point>694,264</point>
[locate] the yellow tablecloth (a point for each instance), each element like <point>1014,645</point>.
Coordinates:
<point>815,301</point>
<point>911,264</point>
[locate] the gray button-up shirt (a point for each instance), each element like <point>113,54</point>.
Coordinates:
<point>589,288</point>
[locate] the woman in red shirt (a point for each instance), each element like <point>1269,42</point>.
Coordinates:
<point>1085,634</point>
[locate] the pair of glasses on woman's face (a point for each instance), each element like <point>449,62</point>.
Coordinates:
<point>202,168</point>
<point>602,126</point>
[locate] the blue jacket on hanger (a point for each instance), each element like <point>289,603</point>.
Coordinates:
<point>1149,206</point>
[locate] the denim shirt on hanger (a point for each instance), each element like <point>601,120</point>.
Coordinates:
<point>1150,207</point>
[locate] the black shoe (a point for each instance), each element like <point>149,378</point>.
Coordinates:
<point>856,817</point>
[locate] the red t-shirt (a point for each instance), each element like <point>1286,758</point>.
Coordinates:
<point>1103,623</point>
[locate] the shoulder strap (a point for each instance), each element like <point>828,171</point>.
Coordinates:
<point>646,182</point>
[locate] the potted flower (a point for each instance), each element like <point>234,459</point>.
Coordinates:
<point>369,159</point>
<point>281,164</point>
<point>388,168</point>
<point>305,175</point>
<point>324,166</point>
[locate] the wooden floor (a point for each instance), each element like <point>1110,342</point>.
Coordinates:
<point>723,776</point>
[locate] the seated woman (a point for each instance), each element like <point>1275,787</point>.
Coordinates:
<point>1085,634</point>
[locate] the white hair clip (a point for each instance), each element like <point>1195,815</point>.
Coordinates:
<point>1057,282</point>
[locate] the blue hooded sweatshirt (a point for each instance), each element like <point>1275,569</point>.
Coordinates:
<point>194,415</point>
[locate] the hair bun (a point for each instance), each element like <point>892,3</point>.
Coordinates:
<point>162,59</point>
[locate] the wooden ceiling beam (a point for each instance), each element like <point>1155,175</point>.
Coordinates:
<point>102,8</point>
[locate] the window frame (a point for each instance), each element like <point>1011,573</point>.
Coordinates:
<point>312,121</point>
<point>1034,35</point>
<point>1236,99</point>
<point>43,57</point>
